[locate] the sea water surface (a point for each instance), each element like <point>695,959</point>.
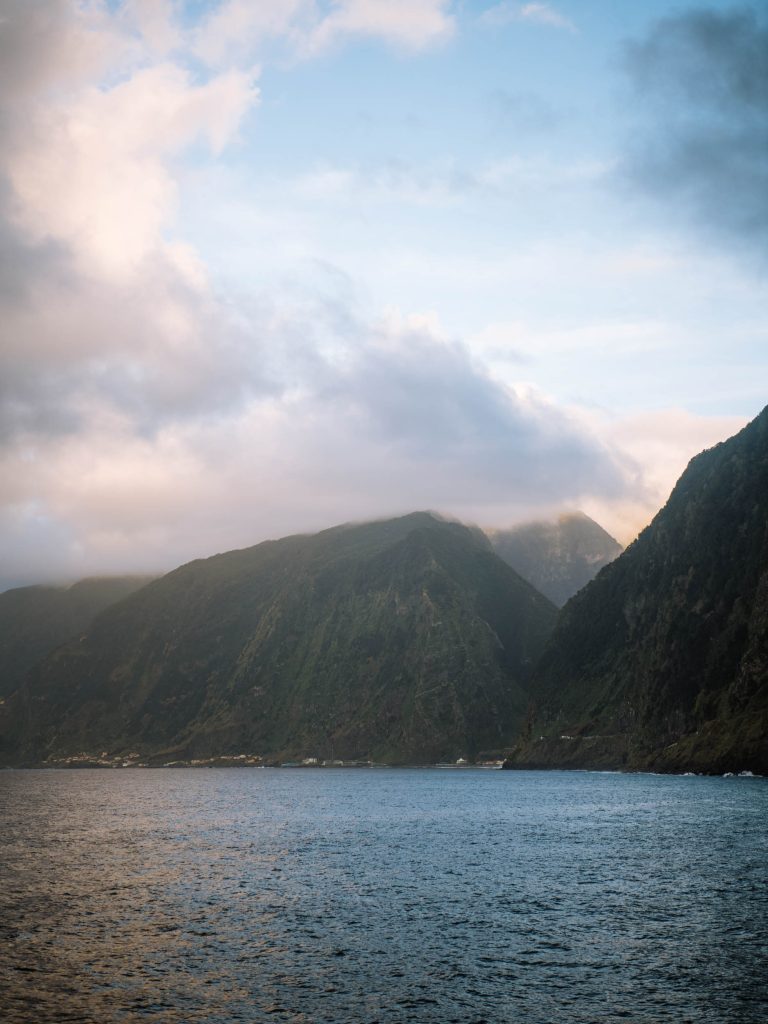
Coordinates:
<point>220,896</point>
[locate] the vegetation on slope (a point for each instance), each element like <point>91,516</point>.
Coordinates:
<point>404,640</point>
<point>662,661</point>
<point>36,620</point>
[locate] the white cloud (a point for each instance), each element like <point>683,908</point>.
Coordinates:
<point>56,41</point>
<point>156,23</point>
<point>507,12</point>
<point>93,172</point>
<point>102,306</point>
<point>236,29</point>
<point>545,15</point>
<point>411,24</point>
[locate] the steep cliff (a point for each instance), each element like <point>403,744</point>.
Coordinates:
<point>36,620</point>
<point>662,661</point>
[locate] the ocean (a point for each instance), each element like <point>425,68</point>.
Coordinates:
<point>382,895</point>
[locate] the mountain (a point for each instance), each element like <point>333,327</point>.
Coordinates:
<point>404,640</point>
<point>661,662</point>
<point>35,620</point>
<point>557,557</point>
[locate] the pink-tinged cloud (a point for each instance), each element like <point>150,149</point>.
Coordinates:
<point>145,418</point>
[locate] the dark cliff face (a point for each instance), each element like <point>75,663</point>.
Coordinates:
<point>662,661</point>
<point>404,640</point>
<point>558,558</point>
<point>36,620</point>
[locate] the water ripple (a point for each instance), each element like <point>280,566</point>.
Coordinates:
<point>225,896</point>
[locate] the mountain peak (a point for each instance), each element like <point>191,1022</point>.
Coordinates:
<point>558,556</point>
<point>401,640</point>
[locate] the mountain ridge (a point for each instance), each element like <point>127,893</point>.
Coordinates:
<point>399,640</point>
<point>34,620</point>
<point>661,662</point>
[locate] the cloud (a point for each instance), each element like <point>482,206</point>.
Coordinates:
<point>663,442</point>
<point>506,12</point>
<point>146,418</point>
<point>414,392</point>
<point>700,81</point>
<point>375,418</point>
<point>410,24</point>
<point>236,30</point>
<point>101,307</point>
<point>55,41</point>
<point>156,23</point>
<point>154,347</point>
<point>92,172</point>
<point>400,183</point>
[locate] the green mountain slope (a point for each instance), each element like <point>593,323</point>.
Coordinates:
<point>558,558</point>
<point>662,661</point>
<point>35,620</point>
<point>404,640</point>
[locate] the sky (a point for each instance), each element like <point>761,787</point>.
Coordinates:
<point>271,265</point>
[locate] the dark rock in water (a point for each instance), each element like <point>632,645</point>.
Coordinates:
<point>402,640</point>
<point>558,558</point>
<point>661,663</point>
